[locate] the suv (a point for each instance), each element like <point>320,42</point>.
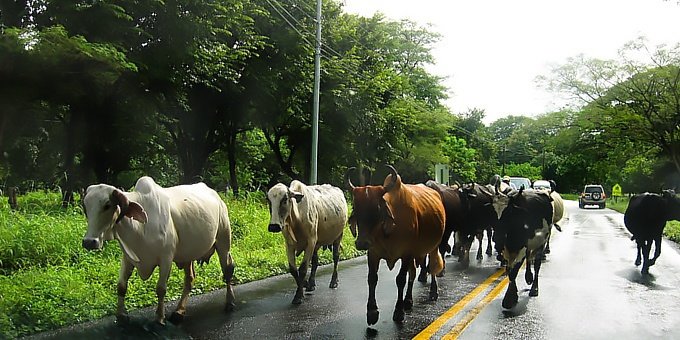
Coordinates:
<point>592,195</point>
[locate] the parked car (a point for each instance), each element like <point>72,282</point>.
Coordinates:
<point>541,184</point>
<point>519,182</point>
<point>592,194</point>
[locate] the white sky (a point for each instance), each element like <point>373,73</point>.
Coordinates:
<point>491,51</point>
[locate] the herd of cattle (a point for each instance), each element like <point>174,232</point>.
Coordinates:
<point>157,226</point>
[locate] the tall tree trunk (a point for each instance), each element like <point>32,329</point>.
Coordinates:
<point>69,164</point>
<point>231,156</point>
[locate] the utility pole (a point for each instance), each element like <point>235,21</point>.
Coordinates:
<point>315,109</point>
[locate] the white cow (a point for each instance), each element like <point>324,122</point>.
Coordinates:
<point>309,217</point>
<point>157,226</point>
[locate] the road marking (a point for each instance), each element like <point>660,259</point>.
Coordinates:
<point>430,330</point>
<point>471,315</point>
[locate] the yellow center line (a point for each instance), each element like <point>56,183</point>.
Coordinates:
<point>460,327</point>
<point>430,330</point>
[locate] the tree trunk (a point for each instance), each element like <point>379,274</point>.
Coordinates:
<point>12,198</point>
<point>231,155</point>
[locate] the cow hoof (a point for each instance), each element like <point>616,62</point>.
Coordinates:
<point>297,299</point>
<point>372,316</point>
<point>310,288</point>
<point>229,307</point>
<point>434,296</point>
<point>122,319</point>
<point>638,262</point>
<point>398,315</point>
<point>480,257</point>
<point>533,292</point>
<point>529,278</point>
<point>422,277</point>
<point>508,303</point>
<point>408,304</point>
<point>652,262</point>
<point>645,270</point>
<point>176,318</point>
<point>489,252</point>
<point>333,284</point>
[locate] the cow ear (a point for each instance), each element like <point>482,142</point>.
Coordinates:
<point>135,211</point>
<point>353,224</point>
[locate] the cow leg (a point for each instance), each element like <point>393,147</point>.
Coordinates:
<point>372,313</point>
<point>465,257</point>
<point>528,275</point>
<point>408,299</point>
<point>435,266</point>
<point>161,288</point>
<point>311,282</point>
<point>657,250</point>
<point>489,235</point>
<point>547,247</point>
<point>480,238</point>
<point>398,315</point>
<point>227,265</point>
<point>645,256</point>
<point>189,275</point>
<point>299,281</point>
<point>126,268</point>
<point>510,299</point>
<point>423,270</point>
<point>638,259</point>
<point>336,259</point>
<point>537,267</point>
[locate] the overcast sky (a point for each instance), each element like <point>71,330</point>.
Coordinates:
<point>491,51</point>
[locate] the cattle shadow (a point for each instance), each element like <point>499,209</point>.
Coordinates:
<point>520,308</point>
<point>648,280</point>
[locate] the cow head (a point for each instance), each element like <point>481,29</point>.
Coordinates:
<point>672,204</point>
<point>280,199</point>
<point>104,207</point>
<point>372,215</point>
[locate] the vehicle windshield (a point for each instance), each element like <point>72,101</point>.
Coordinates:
<point>593,189</point>
<point>520,182</point>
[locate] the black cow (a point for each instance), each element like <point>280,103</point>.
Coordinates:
<point>451,197</point>
<point>524,225</point>
<point>645,218</point>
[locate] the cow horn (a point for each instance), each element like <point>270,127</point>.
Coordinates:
<point>394,174</point>
<point>347,179</point>
<point>120,200</point>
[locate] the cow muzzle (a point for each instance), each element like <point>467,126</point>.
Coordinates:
<point>91,243</point>
<point>362,244</point>
<point>274,228</point>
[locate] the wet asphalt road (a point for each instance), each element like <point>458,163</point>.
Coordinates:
<point>589,289</point>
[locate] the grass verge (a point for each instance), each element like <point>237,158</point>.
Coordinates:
<point>47,280</point>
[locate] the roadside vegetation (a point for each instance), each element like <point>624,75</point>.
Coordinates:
<point>47,279</point>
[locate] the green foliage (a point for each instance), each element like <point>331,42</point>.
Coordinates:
<point>47,280</point>
<point>523,170</point>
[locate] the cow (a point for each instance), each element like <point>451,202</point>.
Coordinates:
<point>523,228</point>
<point>397,221</point>
<point>309,217</point>
<point>453,208</point>
<point>155,227</point>
<point>479,216</point>
<point>645,218</point>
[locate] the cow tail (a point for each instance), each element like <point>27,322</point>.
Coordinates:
<point>436,264</point>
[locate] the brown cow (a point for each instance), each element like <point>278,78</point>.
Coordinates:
<point>397,221</point>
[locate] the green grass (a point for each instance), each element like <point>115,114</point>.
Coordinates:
<point>47,280</point>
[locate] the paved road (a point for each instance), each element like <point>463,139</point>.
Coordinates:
<point>589,289</point>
